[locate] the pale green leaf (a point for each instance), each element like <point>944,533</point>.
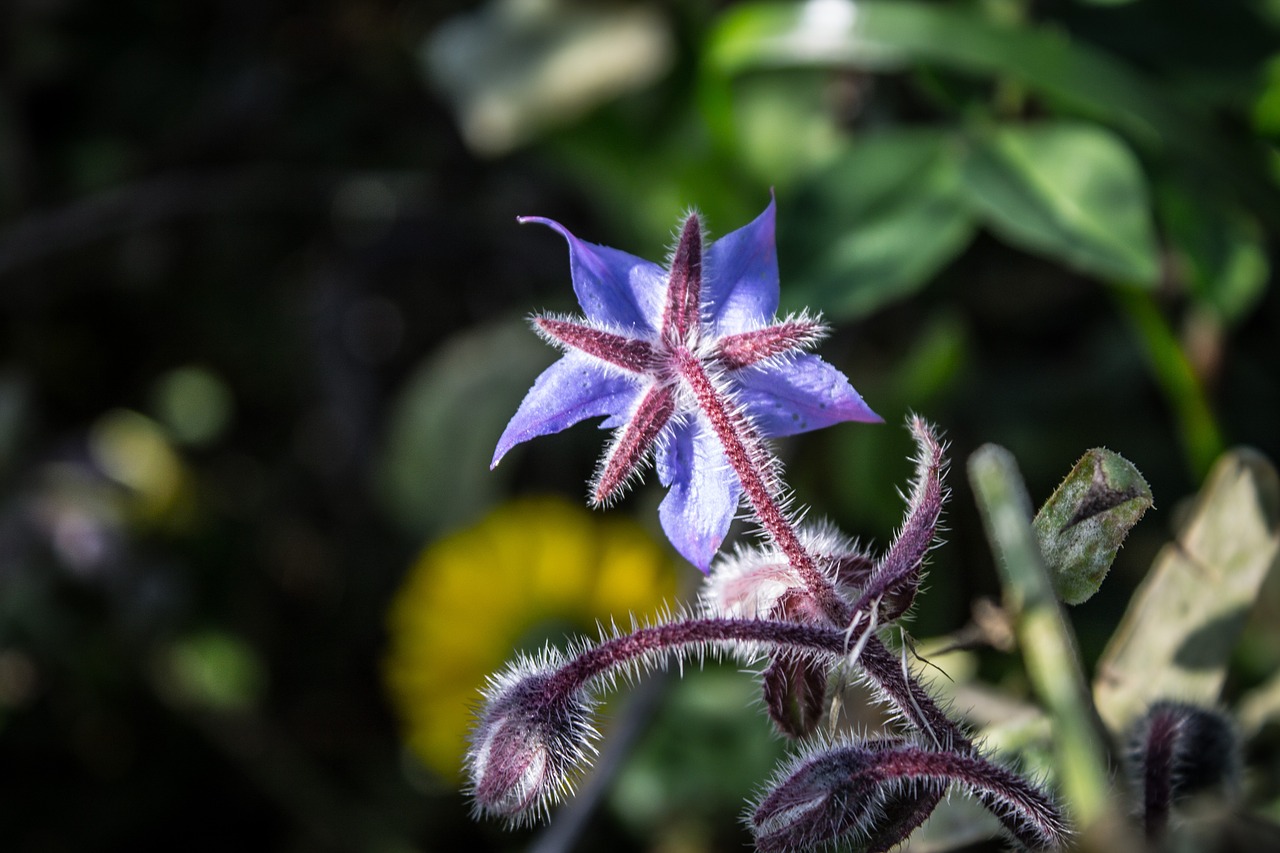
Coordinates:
<point>1184,620</point>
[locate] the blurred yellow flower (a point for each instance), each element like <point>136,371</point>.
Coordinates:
<point>533,569</point>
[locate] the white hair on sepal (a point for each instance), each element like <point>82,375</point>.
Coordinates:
<point>631,333</point>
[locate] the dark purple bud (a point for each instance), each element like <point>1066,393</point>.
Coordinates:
<point>528,746</point>
<point>823,800</point>
<point>795,692</point>
<point>1176,750</point>
<point>874,793</point>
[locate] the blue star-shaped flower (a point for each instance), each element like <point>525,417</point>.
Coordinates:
<point>689,366</point>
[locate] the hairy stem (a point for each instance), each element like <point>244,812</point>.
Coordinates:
<point>750,461</point>
<point>619,652</point>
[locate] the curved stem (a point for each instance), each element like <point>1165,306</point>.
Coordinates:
<point>626,650</point>
<point>1025,811</point>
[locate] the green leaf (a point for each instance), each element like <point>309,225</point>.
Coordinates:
<point>511,70</point>
<point>1183,622</point>
<point>893,34</point>
<point>1197,425</point>
<point>211,670</point>
<point>1071,191</point>
<point>1086,520</point>
<point>877,225</point>
<point>1066,74</point>
<point>784,126</point>
<point>1217,249</point>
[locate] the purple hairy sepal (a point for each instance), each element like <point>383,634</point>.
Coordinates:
<point>872,794</point>
<point>896,578</point>
<point>1176,750</point>
<point>795,692</point>
<point>529,744</point>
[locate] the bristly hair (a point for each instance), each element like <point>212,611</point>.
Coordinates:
<point>843,789</point>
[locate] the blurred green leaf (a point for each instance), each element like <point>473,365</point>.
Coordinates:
<point>701,755</point>
<point>642,173</point>
<point>1218,250</point>
<point>212,670</point>
<point>194,403</point>
<point>1068,74</point>
<point>514,67</point>
<point>1183,622</point>
<point>784,126</point>
<point>882,35</point>
<point>434,470</point>
<point>1071,191</point>
<point>894,202</point>
<point>1266,109</point>
<point>1197,425</point>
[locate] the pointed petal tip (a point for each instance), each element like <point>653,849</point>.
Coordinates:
<point>542,220</point>
<point>498,452</point>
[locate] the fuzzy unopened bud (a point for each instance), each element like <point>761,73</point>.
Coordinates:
<point>1176,750</point>
<point>756,583</point>
<point>896,578</point>
<point>874,793</point>
<point>528,746</point>
<point>795,691</point>
<point>823,799</point>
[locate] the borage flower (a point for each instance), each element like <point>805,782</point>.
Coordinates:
<point>690,366</point>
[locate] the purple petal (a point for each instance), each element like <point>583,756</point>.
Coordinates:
<point>613,287</point>
<point>703,496</point>
<point>571,390</point>
<point>740,279</point>
<point>803,394</point>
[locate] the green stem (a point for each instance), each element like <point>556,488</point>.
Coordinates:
<point>1047,642</point>
<point>1197,426</point>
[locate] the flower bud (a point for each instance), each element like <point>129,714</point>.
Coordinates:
<point>827,798</point>
<point>758,583</point>
<point>528,745</point>
<point>874,793</point>
<point>795,691</point>
<point>754,583</point>
<point>1176,750</point>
